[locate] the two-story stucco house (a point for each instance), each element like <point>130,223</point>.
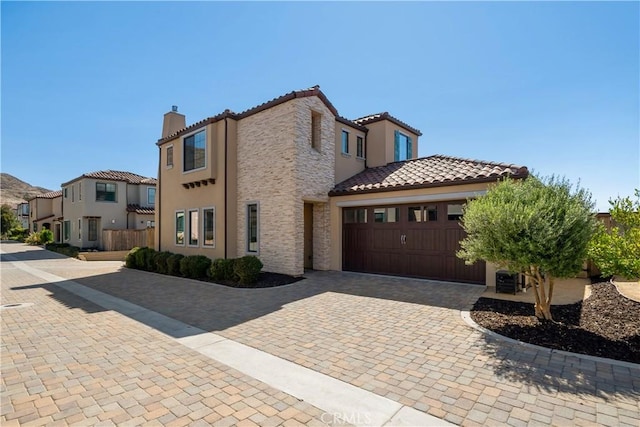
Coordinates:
<point>299,186</point>
<point>45,211</point>
<point>105,200</point>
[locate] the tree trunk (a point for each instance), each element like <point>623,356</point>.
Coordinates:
<point>542,307</point>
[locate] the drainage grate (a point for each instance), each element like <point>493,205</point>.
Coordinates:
<point>16,305</point>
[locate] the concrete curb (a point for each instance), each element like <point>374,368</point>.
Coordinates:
<point>466,317</point>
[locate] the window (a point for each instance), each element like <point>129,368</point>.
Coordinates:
<point>65,193</point>
<point>360,147</point>
<point>35,227</point>
<point>423,213</point>
<point>180,228</point>
<point>345,142</point>
<point>386,214</point>
<point>151,196</point>
<point>193,227</point>
<point>252,227</point>
<point>79,229</point>
<point>67,230</point>
<point>356,215</point>
<point>194,151</point>
<point>105,192</point>
<point>93,229</point>
<point>209,227</point>
<point>403,148</point>
<point>454,212</point>
<point>170,155</point>
<point>316,119</point>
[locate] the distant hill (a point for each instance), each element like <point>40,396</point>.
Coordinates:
<point>14,191</point>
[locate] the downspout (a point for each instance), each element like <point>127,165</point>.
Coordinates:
<point>226,184</point>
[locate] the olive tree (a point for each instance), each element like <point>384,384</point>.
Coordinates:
<point>536,227</point>
<point>617,250</point>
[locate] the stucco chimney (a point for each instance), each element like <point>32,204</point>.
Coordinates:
<point>173,122</point>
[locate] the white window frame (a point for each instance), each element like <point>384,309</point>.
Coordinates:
<point>188,222</point>
<point>205,151</point>
<point>175,227</point>
<point>246,210</point>
<point>204,240</point>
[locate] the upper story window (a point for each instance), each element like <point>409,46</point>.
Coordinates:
<point>151,196</point>
<point>360,147</point>
<point>65,192</point>
<point>170,155</point>
<point>345,142</point>
<point>403,148</point>
<point>106,192</point>
<point>316,119</point>
<point>194,151</point>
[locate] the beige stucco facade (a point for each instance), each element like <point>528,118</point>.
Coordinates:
<point>44,212</point>
<point>380,142</point>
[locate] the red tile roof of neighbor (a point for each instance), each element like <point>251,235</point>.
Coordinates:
<point>110,175</point>
<point>141,210</point>
<point>49,195</point>
<point>432,171</point>
<point>312,91</point>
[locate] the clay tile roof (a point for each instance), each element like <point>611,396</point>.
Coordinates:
<point>372,118</point>
<point>141,209</point>
<point>312,91</point>
<point>432,171</point>
<point>49,195</point>
<point>111,175</point>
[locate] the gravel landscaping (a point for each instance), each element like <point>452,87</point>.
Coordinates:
<point>606,324</point>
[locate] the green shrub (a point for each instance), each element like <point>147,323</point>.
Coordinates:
<point>144,259</point>
<point>19,234</point>
<point>33,239</point>
<point>247,269</point>
<point>160,259</point>
<point>173,264</point>
<point>130,260</point>
<point>64,249</point>
<point>195,266</point>
<point>46,236</point>
<point>222,269</point>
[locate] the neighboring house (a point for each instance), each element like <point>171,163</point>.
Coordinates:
<point>106,200</point>
<point>301,187</point>
<point>45,211</point>
<point>22,213</point>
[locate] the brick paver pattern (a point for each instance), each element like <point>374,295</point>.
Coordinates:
<point>68,361</point>
<point>402,339</point>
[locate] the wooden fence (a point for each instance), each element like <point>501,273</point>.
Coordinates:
<point>123,240</point>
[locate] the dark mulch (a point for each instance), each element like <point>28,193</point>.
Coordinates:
<point>266,280</point>
<point>606,324</point>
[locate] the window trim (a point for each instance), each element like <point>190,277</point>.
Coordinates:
<point>167,164</point>
<point>154,196</point>
<point>342,142</point>
<point>184,157</point>
<point>360,147</point>
<point>66,230</point>
<point>175,227</point>
<point>115,197</point>
<point>204,240</point>
<point>89,235</point>
<point>396,146</point>
<point>247,225</point>
<point>188,242</point>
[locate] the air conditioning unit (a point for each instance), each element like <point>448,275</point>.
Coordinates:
<point>506,282</point>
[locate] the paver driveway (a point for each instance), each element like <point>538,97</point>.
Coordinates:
<point>403,339</point>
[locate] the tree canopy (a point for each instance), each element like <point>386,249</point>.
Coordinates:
<point>537,227</point>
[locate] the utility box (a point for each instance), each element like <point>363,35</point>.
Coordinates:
<point>506,282</point>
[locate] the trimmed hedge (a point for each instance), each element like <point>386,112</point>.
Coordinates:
<point>173,264</point>
<point>195,266</point>
<point>64,249</point>
<point>222,269</point>
<point>160,259</point>
<point>130,259</point>
<point>247,269</point>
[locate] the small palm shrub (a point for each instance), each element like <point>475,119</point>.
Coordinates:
<point>247,269</point>
<point>195,266</point>
<point>173,264</point>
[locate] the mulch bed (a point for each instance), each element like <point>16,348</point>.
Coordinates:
<point>606,324</point>
<point>266,280</point>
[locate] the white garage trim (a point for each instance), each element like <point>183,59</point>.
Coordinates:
<point>411,199</point>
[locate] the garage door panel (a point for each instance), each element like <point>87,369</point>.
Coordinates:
<point>386,238</point>
<point>426,240</point>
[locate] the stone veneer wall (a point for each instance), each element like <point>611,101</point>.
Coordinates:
<point>278,169</point>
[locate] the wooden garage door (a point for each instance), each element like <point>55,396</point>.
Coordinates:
<point>417,240</point>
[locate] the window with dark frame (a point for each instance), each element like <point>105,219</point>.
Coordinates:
<point>252,227</point>
<point>170,156</point>
<point>345,142</point>
<point>194,230</point>
<point>454,212</point>
<point>194,151</point>
<point>355,216</point>
<point>180,228</point>
<point>66,230</point>
<point>360,147</point>
<point>208,227</point>
<point>92,234</point>
<point>386,214</point>
<point>106,192</point>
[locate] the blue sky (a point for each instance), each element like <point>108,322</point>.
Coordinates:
<point>550,85</point>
